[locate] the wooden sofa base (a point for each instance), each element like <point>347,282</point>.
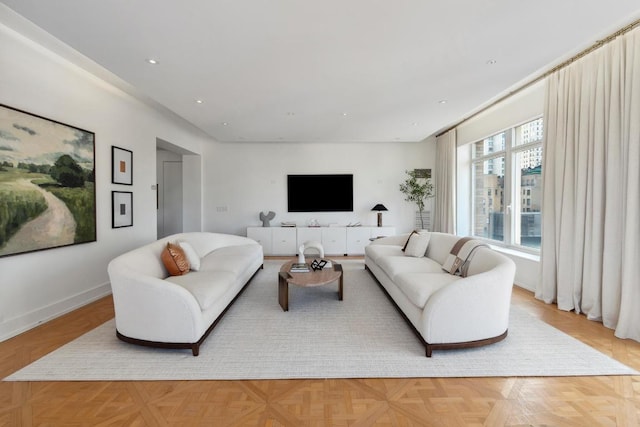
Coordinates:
<point>444,346</point>
<point>195,347</point>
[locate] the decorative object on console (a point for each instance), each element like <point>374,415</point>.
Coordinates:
<point>122,209</point>
<point>266,218</point>
<point>417,191</point>
<point>379,208</point>
<point>121,166</point>
<point>45,163</point>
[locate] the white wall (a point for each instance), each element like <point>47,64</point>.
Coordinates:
<point>37,286</point>
<point>243,179</point>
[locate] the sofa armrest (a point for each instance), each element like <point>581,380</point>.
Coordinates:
<point>469,309</point>
<point>153,309</point>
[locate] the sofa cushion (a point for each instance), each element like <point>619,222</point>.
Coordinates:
<point>174,260</point>
<point>417,244</point>
<point>440,245</point>
<point>376,252</point>
<point>206,286</point>
<point>418,287</point>
<point>404,247</point>
<point>192,256</point>
<point>395,265</point>
<point>234,259</point>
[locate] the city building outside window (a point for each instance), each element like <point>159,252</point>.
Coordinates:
<point>507,186</point>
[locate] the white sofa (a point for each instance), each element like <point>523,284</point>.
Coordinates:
<point>445,310</point>
<point>179,311</point>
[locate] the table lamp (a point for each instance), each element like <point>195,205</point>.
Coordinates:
<point>379,207</point>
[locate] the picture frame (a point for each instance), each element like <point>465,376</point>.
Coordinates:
<point>47,183</point>
<point>122,209</point>
<point>121,166</point>
<point>423,173</point>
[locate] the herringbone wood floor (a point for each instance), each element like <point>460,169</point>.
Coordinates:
<point>576,401</point>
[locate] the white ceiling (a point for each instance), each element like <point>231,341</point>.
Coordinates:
<point>326,70</point>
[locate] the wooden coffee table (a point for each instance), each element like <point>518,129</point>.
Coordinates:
<point>312,278</point>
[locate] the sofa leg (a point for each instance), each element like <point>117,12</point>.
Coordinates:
<point>195,349</point>
<point>428,347</point>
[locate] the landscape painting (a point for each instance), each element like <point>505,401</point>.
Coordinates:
<point>47,183</point>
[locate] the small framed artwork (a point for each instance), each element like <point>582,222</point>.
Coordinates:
<point>122,209</point>
<point>121,166</point>
<point>423,173</point>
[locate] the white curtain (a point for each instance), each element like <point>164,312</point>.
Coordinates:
<point>591,187</point>
<point>444,215</point>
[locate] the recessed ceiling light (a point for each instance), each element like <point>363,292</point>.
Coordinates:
<point>225,124</point>
<point>199,101</point>
<point>414,124</point>
<point>345,114</point>
<point>442,101</point>
<point>152,61</point>
<point>491,62</point>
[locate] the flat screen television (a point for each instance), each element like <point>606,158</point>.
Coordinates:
<point>320,193</point>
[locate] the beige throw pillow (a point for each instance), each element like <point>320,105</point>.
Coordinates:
<point>417,244</point>
<point>191,254</point>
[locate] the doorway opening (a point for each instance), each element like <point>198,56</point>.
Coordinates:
<point>178,189</point>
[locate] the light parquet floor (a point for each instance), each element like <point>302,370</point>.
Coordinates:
<point>572,401</point>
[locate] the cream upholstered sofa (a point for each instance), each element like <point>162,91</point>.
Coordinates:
<point>447,311</point>
<point>154,309</point>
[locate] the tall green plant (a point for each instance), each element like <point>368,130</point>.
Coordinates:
<point>417,190</point>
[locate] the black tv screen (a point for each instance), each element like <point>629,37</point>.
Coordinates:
<point>320,193</point>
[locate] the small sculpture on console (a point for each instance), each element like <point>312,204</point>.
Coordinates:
<point>266,218</point>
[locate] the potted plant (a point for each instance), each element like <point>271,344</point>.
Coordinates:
<point>417,190</point>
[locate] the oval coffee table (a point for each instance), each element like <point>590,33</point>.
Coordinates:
<point>312,278</point>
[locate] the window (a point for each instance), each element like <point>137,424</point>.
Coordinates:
<point>507,186</point>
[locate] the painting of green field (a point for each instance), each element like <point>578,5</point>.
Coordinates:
<point>47,183</point>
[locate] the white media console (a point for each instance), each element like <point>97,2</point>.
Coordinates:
<point>335,240</point>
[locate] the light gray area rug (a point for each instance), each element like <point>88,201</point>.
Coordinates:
<point>320,337</point>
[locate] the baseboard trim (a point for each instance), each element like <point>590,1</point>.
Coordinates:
<point>17,325</point>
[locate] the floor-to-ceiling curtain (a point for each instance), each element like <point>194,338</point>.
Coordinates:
<point>590,256</point>
<point>444,215</point>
